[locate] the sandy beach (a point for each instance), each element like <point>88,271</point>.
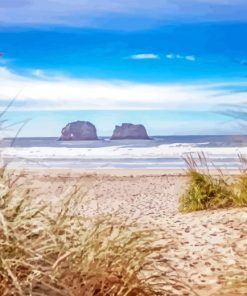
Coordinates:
<point>205,249</point>
<point>123,148</point>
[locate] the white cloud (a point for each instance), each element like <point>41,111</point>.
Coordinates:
<point>178,56</point>
<point>190,58</point>
<point>169,56</point>
<point>64,93</point>
<point>172,56</point>
<point>144,56</point>
<point>98,13</point>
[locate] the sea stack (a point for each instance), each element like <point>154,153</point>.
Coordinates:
<point>130,131</point>
<point>79,131</point>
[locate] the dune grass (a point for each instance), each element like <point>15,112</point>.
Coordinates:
<point>207,191</point>
<point>240,196</point>
<point>47,251</point>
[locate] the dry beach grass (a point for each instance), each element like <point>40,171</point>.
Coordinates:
<point>200,253</point>
<point>51,248</point>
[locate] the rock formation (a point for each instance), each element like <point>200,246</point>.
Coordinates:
<point>130,131</point>
<point>79,131</point>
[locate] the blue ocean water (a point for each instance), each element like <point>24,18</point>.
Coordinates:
<point>197,140</point>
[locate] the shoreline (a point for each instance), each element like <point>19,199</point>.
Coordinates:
<point>119,172</point>
<point>113,172</point>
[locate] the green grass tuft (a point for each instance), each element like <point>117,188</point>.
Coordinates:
<point>240,196</point>
<point>206,191</point>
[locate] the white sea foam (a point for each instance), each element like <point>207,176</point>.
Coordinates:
<point>122,152</point>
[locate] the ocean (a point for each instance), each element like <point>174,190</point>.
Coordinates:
<point>160,152</point>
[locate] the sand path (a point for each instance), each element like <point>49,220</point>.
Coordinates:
<point>207,249</point>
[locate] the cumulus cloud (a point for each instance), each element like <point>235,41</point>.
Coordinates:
<point>171,56</point>
<point>190,58</point>
<point>144,56</point>
<point>94,13</point>
<point>64,93</point>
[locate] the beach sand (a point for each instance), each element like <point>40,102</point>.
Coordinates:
<point>205,249</point>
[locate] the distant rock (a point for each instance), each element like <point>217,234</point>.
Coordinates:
<point>79,131</point>
<point>130,131</point>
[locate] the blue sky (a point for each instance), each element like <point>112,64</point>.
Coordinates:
<point>171,65</point>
